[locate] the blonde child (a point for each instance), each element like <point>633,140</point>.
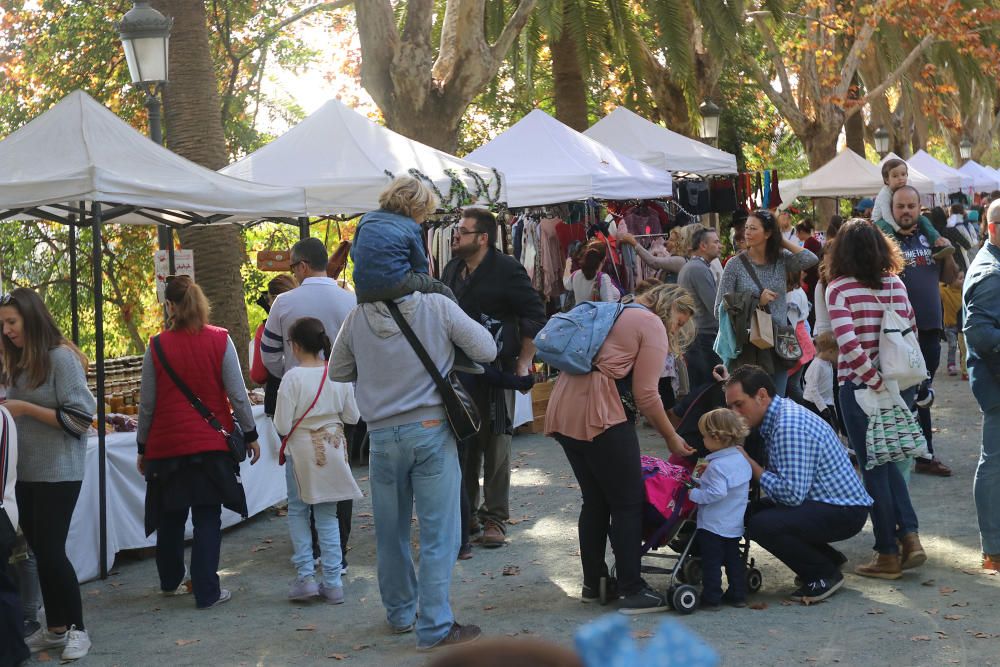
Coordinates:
<point>721,496</point>
<point>895,174</point>
<point>311,412</point>
<point>819,382</point>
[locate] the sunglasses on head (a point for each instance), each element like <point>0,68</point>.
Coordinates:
<point>6,299</point>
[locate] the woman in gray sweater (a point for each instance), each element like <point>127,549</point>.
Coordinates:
<point>773,257</point>
<point>48,397</point>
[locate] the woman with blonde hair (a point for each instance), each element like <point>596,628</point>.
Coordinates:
<point>593,417</point>
<point>388,252</point>
<point>185,457</point>
<point>48,397</point>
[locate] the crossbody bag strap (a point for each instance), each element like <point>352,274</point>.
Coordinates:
<point>753,275</point>
<point>195,402</point>
<point>418,347</point>
<point>284,441</point>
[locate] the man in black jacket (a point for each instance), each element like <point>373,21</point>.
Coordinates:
<point>494,289</point>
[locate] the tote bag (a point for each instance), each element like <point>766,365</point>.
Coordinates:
<point>899,354</point>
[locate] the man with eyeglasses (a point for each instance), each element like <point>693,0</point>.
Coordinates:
<point>494,289</point>
<point>696,277</point>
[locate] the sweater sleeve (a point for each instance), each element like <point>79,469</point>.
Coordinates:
<point>471,337</point>
<point>728,282</point>
<point>272,344</point>
<point>284,411</point>
<point>608,290</point>
<point>672,264</point>
<point>75,405</point>
<point>712,487</point>
<point>349,414</point>
<point>147,399</point>
<point>799,261</point>
<point>258,371</point>
<point>343,364</point>
<point>236,390</point>
<point>882,209</point>
<point>851,352</point>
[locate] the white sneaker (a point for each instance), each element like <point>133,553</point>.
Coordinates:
<point>41,639</point>
<point>185,587</point>
<point>77,644</point>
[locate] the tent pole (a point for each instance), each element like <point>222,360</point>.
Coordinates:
<point>303,228</point>
<point>74,281</point>
<point>102,473</point>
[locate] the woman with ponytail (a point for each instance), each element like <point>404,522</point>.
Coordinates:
<point>310,415</point>
<point>186,461</point>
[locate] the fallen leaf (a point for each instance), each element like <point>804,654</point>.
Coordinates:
<point>511,571</point>
<point>959,604</point>
<point>489,607</point>
<point>361,647</point>
<point>932,612</point>
<point>512,634</point>
<point>260,547</point>
<point>363,479</point>
<point>875,611</point>
<point>787,603</point>
<point>337,656</point>
<point>268,540</point>
<point>941,634</point>
<point>759,606</point>
<point>945,590</point>
<point>43,657</point>
<point>953,617</point>
<point>929,582</point>
<point>514,522</point>
<point>982,635</point>
<point>186,642</point>
<point>920,638</point>
<point>306,628</point>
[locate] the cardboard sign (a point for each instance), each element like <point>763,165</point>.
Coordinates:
<point>183,266</point>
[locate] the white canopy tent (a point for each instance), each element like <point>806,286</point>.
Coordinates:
<point>993,171</point>
<point>81,165</point>
<point>846,175</point>
<point>952,178</point>
<point>546,162</point>
<point>982,180</point>
<point>344,160</point>
<point>632,135</point>
<point>79,151</point>
<point>930,189</point>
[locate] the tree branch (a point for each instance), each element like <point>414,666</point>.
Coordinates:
<point>775,54</point>
<point>419,21</point>
<point>379,43</point>
<point>784,101</point>
<point>276,29</point>
<point>512,29</point>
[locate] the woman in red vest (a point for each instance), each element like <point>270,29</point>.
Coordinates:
<point>185,460</point>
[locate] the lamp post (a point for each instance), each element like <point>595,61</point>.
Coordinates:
<point>965,149</point>
<point>145,35</point>
<point>881,141</point>
<point>709,121</point>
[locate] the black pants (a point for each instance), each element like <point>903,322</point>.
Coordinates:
<point>701,359</point>
<point>12,648</point>
<point>46,511</point>
<point>345,514</point>
<point>930,347</point>
<point>800,536</point>
<point>207,520</point>
<point>610,476</point>
<point>718,552</point>
<point>465,507</point>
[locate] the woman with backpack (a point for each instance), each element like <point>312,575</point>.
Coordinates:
<point>593,417</point>
<point>589,283</point>
<point>862,266</point>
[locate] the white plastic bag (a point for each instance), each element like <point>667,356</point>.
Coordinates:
<point>899,354</point>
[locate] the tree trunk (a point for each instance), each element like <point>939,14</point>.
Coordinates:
<point>821,146</point>
<point>435,122</point>
<point>194,130</point>
<point>568,84</point>
<point>854,127</point>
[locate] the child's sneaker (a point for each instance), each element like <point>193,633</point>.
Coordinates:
<point>332,594</point>
<point>303,589</point>
<point>944,251</point>
<point>646,601</point>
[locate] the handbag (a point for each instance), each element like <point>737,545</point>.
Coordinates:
<point>783,339</point>
<point>761,329</point>
<point>284,441</point>
<point>234,439</point>
<point>463,415</point>
<point>893,433</point>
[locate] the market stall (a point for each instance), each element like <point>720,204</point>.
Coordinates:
<point>982,179</point>
<point>953,179</point>
<point>343,160</point>
<point>630,134</point>
<point>546,162</point>
<point>79,164</point>
<point>846,175</point>
<point>932,191</point>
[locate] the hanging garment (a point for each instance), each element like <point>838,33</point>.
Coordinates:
<point>722,195</point>
<point>775,199</point>
<point>765,201</point>
<point>517,230</point>
<point>693,196</point>
<point>551,256</point>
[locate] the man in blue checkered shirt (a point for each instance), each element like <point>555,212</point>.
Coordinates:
<point>814,496</point>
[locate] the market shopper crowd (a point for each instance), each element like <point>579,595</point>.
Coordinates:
<point>790,331</point>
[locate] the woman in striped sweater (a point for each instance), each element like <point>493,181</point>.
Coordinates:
<point>862,265</point>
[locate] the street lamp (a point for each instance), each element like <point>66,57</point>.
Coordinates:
<point>709,120</point>
<point>145,35</point>
<point>881,141</point>
<point>965,148</point>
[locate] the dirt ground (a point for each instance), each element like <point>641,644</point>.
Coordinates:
<point>945,612</point>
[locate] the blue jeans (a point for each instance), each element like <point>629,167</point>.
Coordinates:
<point>416,464</point>
<point>717,552</point>
<point>780,379</point>
<point>986,487</point>
<point>207,520</point>
<point>892,514</point>
<point>327,530</point>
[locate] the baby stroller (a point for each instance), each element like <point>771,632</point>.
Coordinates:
<point>668,515</point>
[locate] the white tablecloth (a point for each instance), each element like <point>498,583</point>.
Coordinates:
<point>264,484</point>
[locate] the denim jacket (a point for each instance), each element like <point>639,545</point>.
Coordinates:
<point>981,315</point>
<point>387,247</point>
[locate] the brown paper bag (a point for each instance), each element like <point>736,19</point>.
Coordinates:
<point>761,329</point>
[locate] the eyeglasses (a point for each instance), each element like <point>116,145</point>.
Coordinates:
<point>466,232</point>
<point>295,263</point>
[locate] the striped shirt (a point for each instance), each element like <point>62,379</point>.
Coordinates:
<point>856,317</point>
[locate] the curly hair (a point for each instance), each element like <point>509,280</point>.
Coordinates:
<point>861,251</point>
<point>663,300</point>
<point>724,425</point>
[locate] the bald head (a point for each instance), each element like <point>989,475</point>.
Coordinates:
<point>906,208</point>
<point>993,222</point>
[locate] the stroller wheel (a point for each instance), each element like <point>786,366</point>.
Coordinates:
<point>754,580</point>
<point>685,599</point>
<point>692,571</point>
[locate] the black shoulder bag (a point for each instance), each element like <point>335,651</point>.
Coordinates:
<point>463,416</point>
<point>235,441</point>
<point>786,343</point>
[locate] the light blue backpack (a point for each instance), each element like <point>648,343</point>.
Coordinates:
<point>570,341</point>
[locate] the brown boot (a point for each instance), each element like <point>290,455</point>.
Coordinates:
<point>493,535</point>
<point>991,562</point>
<point>883,566</point>
<point>912,553</point>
